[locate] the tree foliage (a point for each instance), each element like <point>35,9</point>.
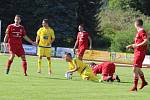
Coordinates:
<point>64,16</point>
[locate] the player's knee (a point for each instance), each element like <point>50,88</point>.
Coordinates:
<point>23,58</point>
<point>40,57</point>
<point>135,70</point>
<point>48,58</point>
<point>11,57</point>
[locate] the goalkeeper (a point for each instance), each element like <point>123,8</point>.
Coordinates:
<point>83,69</point>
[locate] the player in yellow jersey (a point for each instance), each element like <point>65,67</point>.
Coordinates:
<point>83,69</point>
<point>45,37</point>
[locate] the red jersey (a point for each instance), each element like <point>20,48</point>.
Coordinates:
<point>15,34</point>
<point>82,40</point>
<point>104,68</point>
<point>140,36</point>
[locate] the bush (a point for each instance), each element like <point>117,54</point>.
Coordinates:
<point>118,26</point>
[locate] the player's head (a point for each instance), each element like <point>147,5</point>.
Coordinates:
<point>68,57</point>
<point>81,28</point>
<point>17,19</point>
<point>138,23</point>
<point>92,64</point>
<point>45,23</point>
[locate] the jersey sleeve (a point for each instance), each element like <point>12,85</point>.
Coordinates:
<point>144,35</point>
<point>8,29</point>
<point>23,31</point>
<point>39,32</point>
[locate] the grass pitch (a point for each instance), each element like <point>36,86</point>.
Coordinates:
<point>15,86</point>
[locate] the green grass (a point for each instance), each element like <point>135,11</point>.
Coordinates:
<point>36,86</point>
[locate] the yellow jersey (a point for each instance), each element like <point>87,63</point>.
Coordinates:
<point>83,69</point>
<point>81,65</point>
<point>45,35</point>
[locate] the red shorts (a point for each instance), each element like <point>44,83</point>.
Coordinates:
<point>138,59</point>
<point>19,51</point>
<point>109,69</point>
<point>81,51</point>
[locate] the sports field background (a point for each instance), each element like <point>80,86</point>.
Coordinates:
<point>36,86</point>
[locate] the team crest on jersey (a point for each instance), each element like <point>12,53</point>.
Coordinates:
<point>21,30</point>
<point>45,37</point>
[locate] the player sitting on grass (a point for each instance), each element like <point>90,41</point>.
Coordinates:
<point>107,69</point>
<point>78,66</point>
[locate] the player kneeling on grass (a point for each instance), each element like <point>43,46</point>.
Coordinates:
<point>78,66</point>
<point>107,69</point>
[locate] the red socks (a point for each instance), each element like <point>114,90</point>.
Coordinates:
<point>24,66</point>
<point>9,64</point>
<point>135,82</point>
<point>142,78</point>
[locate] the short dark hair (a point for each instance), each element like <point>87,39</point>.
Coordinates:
<point>92,64</point>
<point>18,16</point>
<point>45,20</point>
<point>82,25</point>
<point>68,54</point>
<point>139,22</point>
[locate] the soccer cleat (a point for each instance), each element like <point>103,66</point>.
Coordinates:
<point>117,78</point>
<point>143,84</point>
<point>39,71</point>
<point>25,74</point>
<point>50,73</point>
<point>133,89</point>
<point>109,78</point>
<point>7,71</point>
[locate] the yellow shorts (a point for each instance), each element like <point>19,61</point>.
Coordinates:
<point>44,52</point>
<point>88,74</point>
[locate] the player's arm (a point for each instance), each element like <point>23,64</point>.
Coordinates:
<point>75,45</point>
<point>29,40</point>
<point>6,34</point>
<point>140,44</point>
<point>143,43</point>
<point>75,68</point>
<point>53,36</point>
<point>37,39</point>
<point>53,39</point>
<point>90,40</point>
<point>6,38</point>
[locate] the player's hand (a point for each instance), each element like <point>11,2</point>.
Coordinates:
<point>134,45</point>
<point>34,43</point>
<point>74,50</point>
<point>90,47</point>
<point>129,47</point>
<point>4,44</point>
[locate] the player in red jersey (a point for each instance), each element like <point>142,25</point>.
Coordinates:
<point>14,35</point>
<point>82,41</point>
<point>107,69</point>
<point>140,48</point>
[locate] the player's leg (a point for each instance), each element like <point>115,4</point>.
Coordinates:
<point>10,60</point>
<point>24,64</point>
<point>136,78</point>
<point>40,54</point>
<point>81,53</point>
<point>48,55</point>
<point>39,64</point>
<point>49,65</point>
<point>144,83</point>
<point>105,77</point>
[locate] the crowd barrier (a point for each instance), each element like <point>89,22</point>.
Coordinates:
<point>92,55</point>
